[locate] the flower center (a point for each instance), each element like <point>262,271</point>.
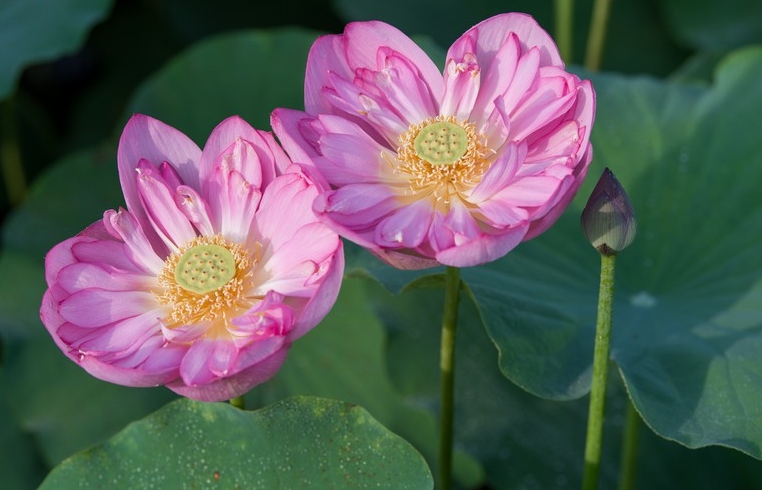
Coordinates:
<point>441,143</point>
<point>206,281</point>
<point>204,268</point>
<point>442,156</point>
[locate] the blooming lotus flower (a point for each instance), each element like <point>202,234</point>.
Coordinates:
<point>427,168</point>
<point>216,266</point>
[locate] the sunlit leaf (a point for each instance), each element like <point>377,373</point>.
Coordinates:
<point>687,317</point>
<point>343,358</point>
<point>298,443</point>
<point>524,441</point>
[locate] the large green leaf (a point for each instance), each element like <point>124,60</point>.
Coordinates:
<point>298,443</point>
<point>524,441</point>
<point>343,358</point>
<point>691,309</point>
<point>33,31</point>
<point>687,319</point>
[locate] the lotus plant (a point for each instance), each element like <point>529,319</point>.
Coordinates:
<point>424,167</point>
<point>202,283</point>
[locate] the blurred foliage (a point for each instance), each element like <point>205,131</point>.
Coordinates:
<point>687,331</point>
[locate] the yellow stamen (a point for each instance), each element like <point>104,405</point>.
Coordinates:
<point>442,156</point>
<point>207,281</point>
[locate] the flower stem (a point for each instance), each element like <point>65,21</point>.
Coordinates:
<point>10,153</point>
<point>564,10</point>
<point>447,369</point>
<point>629,448</point>
<point>238,402</point>
<point>600,375</point>
<point>597,34</point>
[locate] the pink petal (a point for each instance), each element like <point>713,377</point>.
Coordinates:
<point>285,207</point>
<point>498,78</point>
<point>407,227</point>
<point>523,78</point>
<point>492,33</point>
<point>195,208</point>
<point>563,199</point>
<point>326,57</point>
<point>194,368</point>
<point>152,140</point>
<point>349,159</point>
<point>499,214</point>
<point>289,269</point>
<point>118,337</point>
<point>111,253</point>
<point>164,358</point>
<point>500,173</point>
<point>59,257</point>
<point>184,334</point>
<point>258,351</point>
<point>453,229</point>
<point>365,107</point>
<point>223,358</point>
<point>286,123</point>
<point>140,251</point>
<point>255,164</point>
<point>94,308</point>
<point>79,276</point>
<point>236,385</point>
<point>530,191</point>
<point>482,250</point>
<point>358,207</point>
<point>364,39</point>
<point>233,203</point>
<point>270,318</point>
<point>462,78</point>
<point>159,203</point>
<point>539,110</point>
<point>400,82</point>
<point>561,142</point>
<point>331,272</point>
<point>129,376</point>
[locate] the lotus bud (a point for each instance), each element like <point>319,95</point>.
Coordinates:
<point>608,219</point>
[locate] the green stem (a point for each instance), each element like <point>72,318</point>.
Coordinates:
<point>447,369</point>
<point>594,440</point>
<point>597,34</point>
<point>629,448</point>
<point>564,10</point>
<point>238,402</point>
<point>10,153</point>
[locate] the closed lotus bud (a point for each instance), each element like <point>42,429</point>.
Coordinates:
<point>608,219</point>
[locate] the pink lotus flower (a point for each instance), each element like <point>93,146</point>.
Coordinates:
<point>202,284</point>
<point>426,168</point>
